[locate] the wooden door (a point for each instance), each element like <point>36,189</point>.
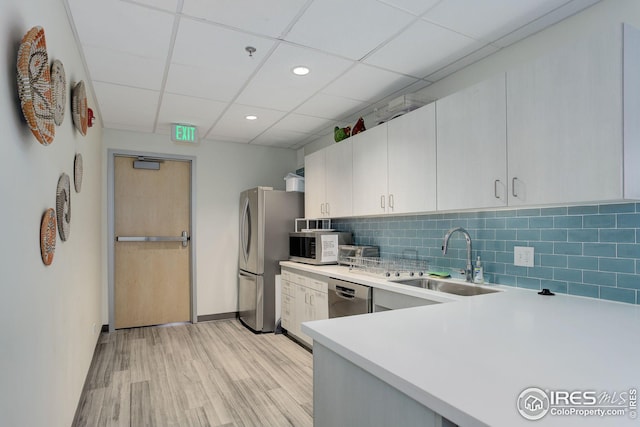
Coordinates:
<point>151,278</point>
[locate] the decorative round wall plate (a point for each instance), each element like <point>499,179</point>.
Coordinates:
<point>48,236</point>
<point>79,107</point>
<point>34,85</point>
<point>59,91</point>
<point>63,206</point>
<point>77,172</point>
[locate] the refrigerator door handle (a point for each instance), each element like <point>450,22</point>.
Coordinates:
<point>245,230</point>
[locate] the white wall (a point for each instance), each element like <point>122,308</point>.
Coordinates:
<point>47,314</point>
<point>599,16</point>
<point>223,171</point>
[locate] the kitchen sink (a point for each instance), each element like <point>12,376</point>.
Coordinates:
<point>447,287</point>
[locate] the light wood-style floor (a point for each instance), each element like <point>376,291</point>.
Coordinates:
<point>195,375</point>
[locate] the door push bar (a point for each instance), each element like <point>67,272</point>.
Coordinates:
<point>184,238</point>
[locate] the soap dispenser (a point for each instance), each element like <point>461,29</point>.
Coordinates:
<point>478,272</point>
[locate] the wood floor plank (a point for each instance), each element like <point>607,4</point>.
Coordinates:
<point>216,374</point>
<point>141,405</point>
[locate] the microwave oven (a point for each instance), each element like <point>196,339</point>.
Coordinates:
<point>317,247</point>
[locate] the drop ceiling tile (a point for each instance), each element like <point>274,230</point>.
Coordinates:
<point>124,107</point>
<point>122,26</point>
<point>303,123</point>
<point>280,138</point>
<point>168,5</point>
<point>209,46</point>
<point>199,82</point>
<point>233,126</point>
<point>257,16</point>
<point>329,106</point>
<point>182,109</point>
<point>112,66</point>
<point>488,20</point>
<point>369,84</point>
<point>275,86</point>
<point>416,7</point>
<point>423,49</point>
<point>348,28</point>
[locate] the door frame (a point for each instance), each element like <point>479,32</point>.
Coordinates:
<point>111,155</point>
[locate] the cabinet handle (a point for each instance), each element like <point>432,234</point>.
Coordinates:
<point>322,208</point>
<point>311,300</point>
<point>328,209</point>
<point>513,186</point>
<point>495,188</point>
<point>382,201</point>
<point>390,201</point>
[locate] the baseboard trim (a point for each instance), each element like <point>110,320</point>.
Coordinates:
<point>218,316</point>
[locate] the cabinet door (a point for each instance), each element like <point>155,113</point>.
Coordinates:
<point>314,183</point>
<point>302,313</point>
<point>565,124</point>
<point>320,305</point>
<point>471,128</point>
<point>288,303</point>
<point>370,171</point>
<point>338,179</point>
<point>411,151</point>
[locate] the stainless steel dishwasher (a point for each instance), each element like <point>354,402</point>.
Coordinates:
<point>347,299</point>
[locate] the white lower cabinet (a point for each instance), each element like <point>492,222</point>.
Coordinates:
<point>304,298</point>
<point>384,300</point>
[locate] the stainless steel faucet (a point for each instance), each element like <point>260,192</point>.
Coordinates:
<point>468,272</point>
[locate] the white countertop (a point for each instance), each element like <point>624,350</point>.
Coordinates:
<point>469,359</point>
<point>343,273</point>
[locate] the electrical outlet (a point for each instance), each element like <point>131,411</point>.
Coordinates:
<point>523,256</point>
<point>95,329</point>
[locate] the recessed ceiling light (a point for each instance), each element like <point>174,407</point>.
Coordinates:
<point>251,117</point>
<point>300,70</point>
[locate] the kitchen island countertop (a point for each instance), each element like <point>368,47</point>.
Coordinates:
<point>471,358</point>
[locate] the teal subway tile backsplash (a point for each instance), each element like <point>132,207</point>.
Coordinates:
<point>618,294</point>
<point>618,208</point>
<point>591,251</point>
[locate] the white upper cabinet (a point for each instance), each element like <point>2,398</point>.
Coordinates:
<point>568,141</point>
<point>315,189</point>
<point>339,179</point>
<point>370,171</point>
<point>472,147</point>
<point>411,154</point>
<point>394,165</point>
<point>328,181</point>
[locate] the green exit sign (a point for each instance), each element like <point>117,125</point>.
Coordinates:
<point>184,133</point>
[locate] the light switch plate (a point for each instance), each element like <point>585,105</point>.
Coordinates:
<point>523,256</point>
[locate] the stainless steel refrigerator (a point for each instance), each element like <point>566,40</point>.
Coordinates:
<point>267,217</point>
